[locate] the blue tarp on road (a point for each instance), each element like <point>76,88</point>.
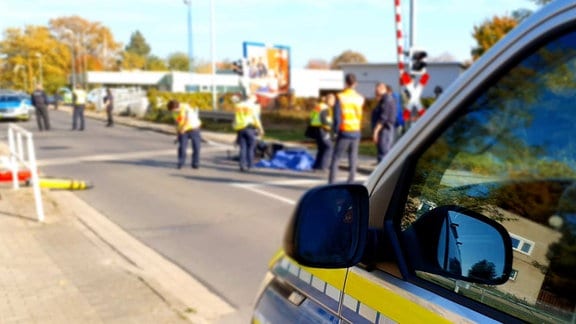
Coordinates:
<point>298,160</point>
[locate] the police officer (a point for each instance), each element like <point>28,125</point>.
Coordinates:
<point>247,126</point>
<point>347,125</point>
<point>40,102</point>
<point>384,120</point>
<point>79,102</point>
<point>188,128</point>
<point>321,125</point>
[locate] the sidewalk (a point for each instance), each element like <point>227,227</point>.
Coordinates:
<point>79,267</point>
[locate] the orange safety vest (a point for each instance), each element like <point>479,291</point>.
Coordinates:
<point>351,103</point>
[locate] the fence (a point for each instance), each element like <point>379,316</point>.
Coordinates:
<point>22,154</point>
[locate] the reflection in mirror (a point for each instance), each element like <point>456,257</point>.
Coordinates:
<point>470,248</point>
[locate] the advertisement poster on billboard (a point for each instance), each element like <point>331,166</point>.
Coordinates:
<point>267,70</point>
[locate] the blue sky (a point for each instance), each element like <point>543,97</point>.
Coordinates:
<point>311,28</point>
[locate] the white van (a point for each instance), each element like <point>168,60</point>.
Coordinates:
<point>470,218</point>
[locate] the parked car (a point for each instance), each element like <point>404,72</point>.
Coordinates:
<point>15,106</point>
<point>470,218</point>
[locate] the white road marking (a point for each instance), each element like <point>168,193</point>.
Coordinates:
<point>254,187</point>
<point>114,157</point>
<point>265,193</point>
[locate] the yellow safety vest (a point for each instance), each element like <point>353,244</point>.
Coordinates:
<point>315,119</point>
<point>187,119</point>
<point>80,96</point>
<point>244,116</point>
<point>351,103</point>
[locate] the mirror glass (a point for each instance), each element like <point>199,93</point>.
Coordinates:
<point>328,225</point>
<point>470,248</point>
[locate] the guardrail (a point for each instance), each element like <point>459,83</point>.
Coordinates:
<point>22,153</point>
<point>217,115</point>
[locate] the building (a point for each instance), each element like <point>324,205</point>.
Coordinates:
<point>303,82</point>
<point>442,74</point>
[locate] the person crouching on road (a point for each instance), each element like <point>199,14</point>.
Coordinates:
<point>321,125</point>
<point>40,102</point>
<point>188,128</point>
<point>247,126</point>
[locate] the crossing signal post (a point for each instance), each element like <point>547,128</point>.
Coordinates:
<point>418,62</point>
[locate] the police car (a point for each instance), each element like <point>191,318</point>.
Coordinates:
<point>470,218</point>
<point>15,106</point>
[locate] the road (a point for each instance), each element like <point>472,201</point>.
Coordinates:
<point>220,225</point>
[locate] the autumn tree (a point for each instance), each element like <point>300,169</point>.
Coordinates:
<point>317,64</point>
<point>490,32</point>
<point>347,56</point>
<point>91,44</point>
<point>32,55</point>
<point>178,61</point>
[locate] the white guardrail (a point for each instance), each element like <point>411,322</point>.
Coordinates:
<point>22,154</point>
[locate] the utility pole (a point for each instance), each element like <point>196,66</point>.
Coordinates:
<point>189,4</point>
<point>212,53</point>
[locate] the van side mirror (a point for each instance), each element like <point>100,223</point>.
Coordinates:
<point>329,227</point>
<point>461,244</point>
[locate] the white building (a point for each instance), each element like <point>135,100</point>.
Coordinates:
<point>304,82</point>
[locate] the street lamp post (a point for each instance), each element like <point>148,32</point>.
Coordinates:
<point>189,4</point>
<point>40,77</point>
<point>212,53</point>
<point>73,64</point>
<point>24,78</point>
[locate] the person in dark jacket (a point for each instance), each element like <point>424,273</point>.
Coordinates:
<point>384,120</point>
<point>40,102</point>
<point>109,105</point>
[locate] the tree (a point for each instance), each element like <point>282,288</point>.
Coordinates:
<point>444,57</point>
<point>178,62</point>
<point>490,32</point>
<point>91,44</point>
<point>33,54</point>
<point>347,56</point>
<point>132,61</point>
<point>317,64</point>
<point>138,45</point>
<point>483,270</point>
<point>154,63</point>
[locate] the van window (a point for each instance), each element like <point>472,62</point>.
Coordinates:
<point>511,156</point>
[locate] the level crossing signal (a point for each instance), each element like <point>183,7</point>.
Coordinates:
<point>418,63</point>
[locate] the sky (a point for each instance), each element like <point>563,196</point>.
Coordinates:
<point>313,29</point>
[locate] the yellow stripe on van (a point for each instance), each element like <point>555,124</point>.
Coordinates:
<point>397,306</point>
<point>334,277</point>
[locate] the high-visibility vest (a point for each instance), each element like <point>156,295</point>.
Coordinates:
<point>315,118</point>
<point>187,119</point>
<point>351,103</point>
<point>80,96</point>
<point>245,115</point>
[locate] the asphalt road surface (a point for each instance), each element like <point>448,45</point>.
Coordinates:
<point>220,225</point>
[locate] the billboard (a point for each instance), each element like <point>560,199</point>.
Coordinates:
<point>267,68</point>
